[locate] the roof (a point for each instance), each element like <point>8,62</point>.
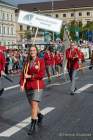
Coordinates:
<point>6,3</point>
<point>65,4</point>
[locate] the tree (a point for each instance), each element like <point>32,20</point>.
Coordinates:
<point>74,30</point>
<point>87,31</point>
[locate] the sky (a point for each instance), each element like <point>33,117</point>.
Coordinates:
<point>27,1</point>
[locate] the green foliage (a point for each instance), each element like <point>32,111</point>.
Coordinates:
<point>88,26</point>
<point>74,27</point>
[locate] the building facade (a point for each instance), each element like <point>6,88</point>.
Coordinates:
<point>7,24</point>
<point>67,10</point>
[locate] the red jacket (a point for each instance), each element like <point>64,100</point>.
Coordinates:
<point>2,62</point>
<point>53,59</point>
<point>36,81</point>
<point>48,58</point>
<point>58,59</point>
<point>72,63</point>
<point>81,56</point>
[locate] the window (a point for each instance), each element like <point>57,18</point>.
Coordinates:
<point>0,30</point>
<point>8,30</point>
<point>57,16</point>
<point>88,13</point>
<point>4,30</point>
<point>80,14</point>
<point>11,30</point>
<point>88,22</point>
<point>3,16</point>
<point>11,17</point>
<point>64,15</point>
<point>7,16</point>
<point>48,15</point>
<point>28,27</point>
<point>21,28</point>
<point>35,9</point>
<point>72,14</point>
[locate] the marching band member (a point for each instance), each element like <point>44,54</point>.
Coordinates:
<point>32,75</point>
<point>72,55</point>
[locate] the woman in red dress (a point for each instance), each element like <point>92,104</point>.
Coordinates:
<point>32,82</point>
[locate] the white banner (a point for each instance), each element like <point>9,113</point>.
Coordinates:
<point>86,52</point>
<point>40,21</point>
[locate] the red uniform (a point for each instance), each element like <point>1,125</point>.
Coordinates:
<point>53,59</point>
<point>2,62</point>
<point>58,59</point>
<point>37,71</point>
<point>71,61</point>
<point>48,58</point>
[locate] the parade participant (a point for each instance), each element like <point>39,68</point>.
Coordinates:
<point>48,62</point>
<point>72,55</point>
<point>91,61</point>
<point>81,60</point>
<point>2,67</point>
<point>58,62</point>
<point>53,62</point>
<point>32,75</point>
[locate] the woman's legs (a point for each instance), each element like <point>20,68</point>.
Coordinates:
<point>34,107</point>
<point>36,112</point>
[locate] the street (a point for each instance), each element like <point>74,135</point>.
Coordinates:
<point>66,117</point>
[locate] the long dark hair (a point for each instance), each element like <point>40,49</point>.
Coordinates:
<point>29,58</point>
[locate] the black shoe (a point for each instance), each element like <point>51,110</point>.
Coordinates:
<point>1,91</point>
<point>75,89</point>
<point>32,127</point>
<point>40,118</point>
<point>72,93</point>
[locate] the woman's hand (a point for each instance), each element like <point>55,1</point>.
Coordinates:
<point>2,72</point>
<point>22,88</point>
<point>36,67</point>
<point>26,76</point>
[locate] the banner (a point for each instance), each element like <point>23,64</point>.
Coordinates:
<point>40,21</point>
<point>86,52</point>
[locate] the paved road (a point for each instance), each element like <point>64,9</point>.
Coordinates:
<point>66,117</point>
